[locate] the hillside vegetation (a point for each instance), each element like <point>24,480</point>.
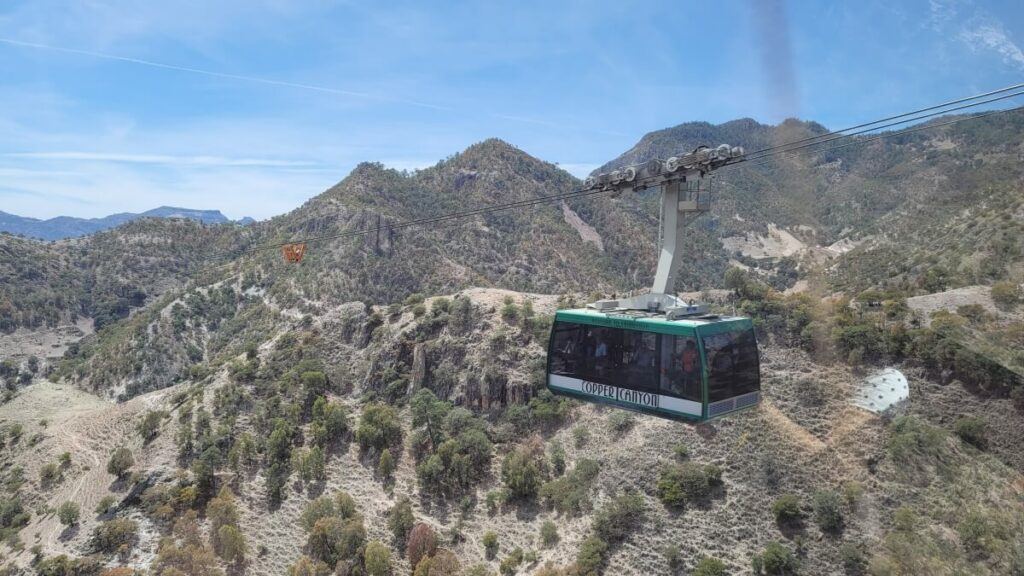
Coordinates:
<point>380,409</point>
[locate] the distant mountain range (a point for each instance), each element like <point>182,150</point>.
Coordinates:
<point>69,227</point>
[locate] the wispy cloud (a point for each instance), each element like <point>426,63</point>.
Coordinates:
<point>299,85</point>
<point>992,36</point>
<point>164,159</point>
<point>224,75</point>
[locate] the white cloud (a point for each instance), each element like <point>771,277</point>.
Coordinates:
<point>164,159</point>
<point>992,36</point>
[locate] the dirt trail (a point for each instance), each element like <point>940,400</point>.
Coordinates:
<point>798,433</point>
<point>87,427</point>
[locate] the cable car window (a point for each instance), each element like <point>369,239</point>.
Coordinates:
<point>635,366</point>
<point>732,364</point>
<point>680,367</point>
<point>566,350</point>
<point>623,358</point>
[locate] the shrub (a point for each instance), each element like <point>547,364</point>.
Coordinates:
<point>422,543</point>
<point>48,473</point>
<point>904,520</point>
<point>1005,294</point>
<point>918,448</point>
<point>521,473</point>
<point>490,541</point>
<point>306,566</point>
<point>105,504</point>
<point>113,535</point>
<point>557,458</point>
<point>777,559</point>
<point>547,410</point>
<point>827,511</point>
<point>120,462</point>
<point>231,544</point>
<point>401,520</point>
<point>444,563</point>
<point>852,557</point>
<point>708,566</point>
<point>222,511</point>
<point>64,460</point>
<point>580,435</point>
<point>852,491</point>
<point>149,426</point>
<point>456,463</point>
<point>571,493</point>
<point>681,451</point>
<point>386,465</point>
<point>322,507</point>
<point>323,539</point>
<point>686,482</point>
<point>511,563</point>
<point>619,517</point>
<point>591,555</point>
<point>379,428</point>
<point>509,310</point>
<point>981,535</point>
<point>673,556</point>
<point>621,422</point>
<point>786,509</point>
<point>68,513</point>
<point>377,559</point>
<point>548,533</point>
<point>973,430</point>
<point>345,504</point>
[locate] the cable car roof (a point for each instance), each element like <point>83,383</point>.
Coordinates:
<point>649,321</point>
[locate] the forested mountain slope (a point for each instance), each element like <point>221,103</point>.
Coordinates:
<point>368,411</point>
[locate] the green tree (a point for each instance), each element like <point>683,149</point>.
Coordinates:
<point>231,547</point>
<point>68,513</point>
<point>377,559</point>
<point>973,430</point>
<point>778,560</point>
<point>708,566</point>
<point>379,428</point>
<point>828,511</point>
<point>386,465</point>
<point>1006,294</point>
<point>490,541</point>
<point>549,533</point>
<point>401,520</point>
<point>679,484</point>
<point>521,473</point>
<point>149,425</point>
<point>591,556</point>
<point>786,509</point>
<point>120,462</point>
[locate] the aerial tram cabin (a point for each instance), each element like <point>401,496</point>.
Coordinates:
<point>692,368</point>
<point>655,353</point>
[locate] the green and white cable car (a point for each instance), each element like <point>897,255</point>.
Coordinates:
<point>655,353</point>
<point>691,369</point>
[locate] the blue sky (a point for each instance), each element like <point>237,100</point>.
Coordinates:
<point>252,107</point>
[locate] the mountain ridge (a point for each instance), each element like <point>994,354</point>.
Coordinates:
<point>64,227</point>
